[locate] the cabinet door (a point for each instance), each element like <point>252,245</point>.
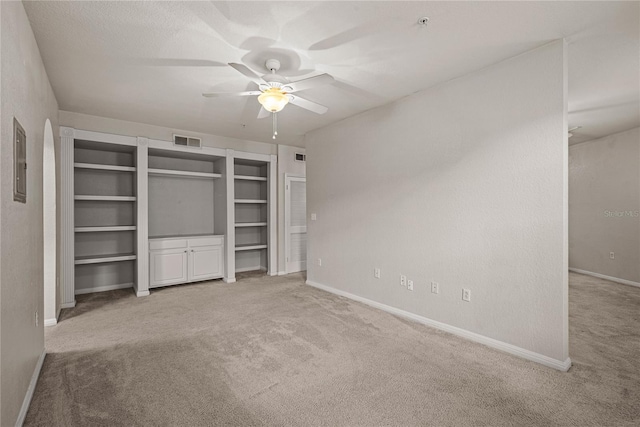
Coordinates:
<point>205,263</point>
<point>167,267</point>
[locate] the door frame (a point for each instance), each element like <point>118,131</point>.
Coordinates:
<point>287,207</point>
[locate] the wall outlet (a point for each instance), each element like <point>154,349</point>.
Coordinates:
<point>319,262</point>
<point>37,319</point>
<point>612,255</point>
<point>435,288</point>
<point>466,295</point>
<point>313,217</point>
<point>410,285</point>
<point>376,273</point>
<point>403,280</point>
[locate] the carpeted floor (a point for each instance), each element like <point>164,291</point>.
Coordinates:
<point>273,351</point>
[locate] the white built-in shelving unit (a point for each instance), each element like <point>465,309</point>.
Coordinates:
<point>104,215</point>
<point>253,198</point>
<point>120,193</point>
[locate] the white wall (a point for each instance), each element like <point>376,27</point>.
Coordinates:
<point>604,206</point>
<point>464,184</point>
<point>27,95</point>
<point>121,127</point>
<point>286,165</point>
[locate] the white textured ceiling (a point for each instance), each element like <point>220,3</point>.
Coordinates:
<point>150,61</point>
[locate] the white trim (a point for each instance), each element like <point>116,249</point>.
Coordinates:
<point>245,269</point>
<point>141,285</point>
<point>32,387</point>
<point>282,273</point>
<point>107,138</point>
<point>252,156</point>
<point>230,243</point>
<point>272,216</point>
<point>605,277</point>
<point>68,304</point>
<point>170,146</point>
<point>50,322</point>
<point>472,336</point>
<point>104,288</point>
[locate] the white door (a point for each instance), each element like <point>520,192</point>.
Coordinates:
<point>295,208</point>
<point>168,267</point>
<point>205,263</point>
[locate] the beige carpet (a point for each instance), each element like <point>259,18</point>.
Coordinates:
<point>273,351</point>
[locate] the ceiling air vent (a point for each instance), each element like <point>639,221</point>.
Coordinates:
<point>187,141</point>
<point>301,157</point>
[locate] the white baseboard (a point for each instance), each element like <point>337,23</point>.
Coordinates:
<point>282,273</point>
<point>32,387</point>
<point>104,288</point>
<point>472,336</point>
<point>50,322</point>
<point>68,304</point>
<point>609,278</point>
<point>245,269</point>
<point>229,280</point>
<point>143,293</point>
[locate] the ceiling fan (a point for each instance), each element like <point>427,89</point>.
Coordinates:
<point>276,91</point>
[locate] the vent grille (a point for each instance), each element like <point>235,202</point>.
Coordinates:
<point>187,141</point>
<point>301,157</point>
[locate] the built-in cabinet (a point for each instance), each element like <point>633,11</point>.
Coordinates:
<point>143,213</point>
<point>179,260</point>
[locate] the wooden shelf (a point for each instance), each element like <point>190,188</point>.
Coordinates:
<point>251,178</point>
<point>252,201</point>
<point>184,174</point>
<point>104,229</point>
<point>107,198</point>
<point>98,259</point>
<point>251,224</point>
<point>250,247</point>
<point>104,167</point>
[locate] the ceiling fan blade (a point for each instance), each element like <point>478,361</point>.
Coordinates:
<point>303,84</point>
<point>263,114</point>
<point>307,105</point>
<point>225,94</point>
<point>247,72</point>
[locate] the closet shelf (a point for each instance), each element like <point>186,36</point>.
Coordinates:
<point>102,229</point>
<point>98,259</point>
<point>251,178</point>
<point>251,224</point>
<point>104,167</point>
<point>106,198</point>
<point>252,201</point>
<point>184,174</point>
<point>250,247</point>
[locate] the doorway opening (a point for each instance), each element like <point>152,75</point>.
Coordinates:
<point>295,211</point>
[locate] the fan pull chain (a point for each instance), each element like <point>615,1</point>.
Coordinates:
<point>275,125</point>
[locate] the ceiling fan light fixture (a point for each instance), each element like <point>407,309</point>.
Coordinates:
<point>273,100</point>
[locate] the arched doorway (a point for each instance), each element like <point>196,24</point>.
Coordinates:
<point>49,225</point>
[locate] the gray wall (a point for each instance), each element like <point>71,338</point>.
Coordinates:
<point>464,184</point>
<point>27,95</point>
<point>604,206</point>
